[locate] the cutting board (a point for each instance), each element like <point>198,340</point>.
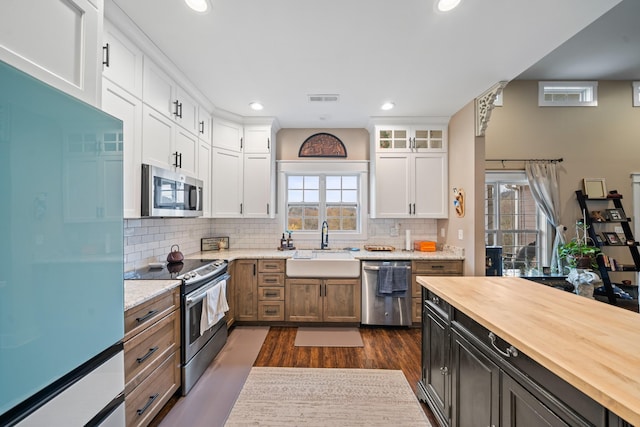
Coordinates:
<point>379,248</point>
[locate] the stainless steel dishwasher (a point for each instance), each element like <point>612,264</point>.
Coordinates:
<point>379,308</point>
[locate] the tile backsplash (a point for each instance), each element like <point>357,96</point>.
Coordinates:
<point>150,239</point>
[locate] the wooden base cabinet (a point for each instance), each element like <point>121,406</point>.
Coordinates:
<point>471,377</point>
<point>429,268</point>
<point>245,279</point>
<point>322,300</point>
<point>271,290</point>
<point>151,356</point>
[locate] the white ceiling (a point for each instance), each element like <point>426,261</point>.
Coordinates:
<point>367,51</point>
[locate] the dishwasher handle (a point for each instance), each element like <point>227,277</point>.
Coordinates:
<point>368,268</point>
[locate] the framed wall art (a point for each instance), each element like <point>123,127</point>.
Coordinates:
<point>595,188</point>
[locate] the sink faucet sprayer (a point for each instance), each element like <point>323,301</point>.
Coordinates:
<point>324,238</point>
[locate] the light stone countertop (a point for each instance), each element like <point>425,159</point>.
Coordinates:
<point>232,254</point>
<point>137,292</point>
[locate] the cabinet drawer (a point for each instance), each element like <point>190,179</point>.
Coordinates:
<point>416,310</point>
<point>271,279</point>
<point>145,351</point>
<point>271,310</point>
<point>437,268</point>
<point>149,397</point>
<point>271,265</point>
<point>145,314</point>
<point>270,294</point>
<point>436,304</point>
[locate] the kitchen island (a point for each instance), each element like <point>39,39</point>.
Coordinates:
<point>573,357</point>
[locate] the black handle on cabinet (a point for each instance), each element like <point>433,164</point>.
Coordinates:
<point>409,208</point>
<point>105,57</point>
<point>175,162</point>
<point>240,208</point>
<point>149,402</point>
<point>267,208</point>
<point>176,109</point>
<point>146,316</point>
<point>180,154</point>
<point>271,294</point>
<point>146,356</point>
<point>241,141</point>
<point>271,311</point>
<point>202,126</point>
<point>268,143</point>
<point>180,109</point>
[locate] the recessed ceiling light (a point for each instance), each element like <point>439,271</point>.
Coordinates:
<point>388,106</point>
<point>447,5</point>
<point>198,5</point>
<point>256,106</point>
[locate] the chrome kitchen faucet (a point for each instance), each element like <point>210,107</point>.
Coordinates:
<point>324,238</point>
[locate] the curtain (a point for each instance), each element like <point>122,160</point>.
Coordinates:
<point>543,182</point>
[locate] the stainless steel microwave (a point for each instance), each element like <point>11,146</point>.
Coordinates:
<point>170,194</point>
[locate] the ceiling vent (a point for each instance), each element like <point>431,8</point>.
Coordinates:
<point>323,98</point>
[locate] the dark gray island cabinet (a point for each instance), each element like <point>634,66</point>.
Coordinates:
<point>476,375</point>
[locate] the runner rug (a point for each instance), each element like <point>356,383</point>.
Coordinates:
<point>326,397</point>
<point>328,337</point>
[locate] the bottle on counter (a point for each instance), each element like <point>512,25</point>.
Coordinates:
<point>289,241</point>
<point>283,242</point>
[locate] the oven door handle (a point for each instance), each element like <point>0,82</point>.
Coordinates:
<point>191,300</point>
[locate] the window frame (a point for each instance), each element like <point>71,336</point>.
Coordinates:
<point>636,94</point>
<point>359,169</point>
<point>544,229</point>
<point>586,89</point>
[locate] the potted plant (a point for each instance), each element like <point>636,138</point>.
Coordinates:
<point>579,254</point>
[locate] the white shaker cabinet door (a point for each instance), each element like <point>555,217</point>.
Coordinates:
<point>257,186</point>
<point>186,145</point>
<point>226,174</point>
<point>127,108</point>
<point>56,41</point>
<point>393,198</point>
<point>430,183</point>
<point>157,139</point>
<point>122,61</point>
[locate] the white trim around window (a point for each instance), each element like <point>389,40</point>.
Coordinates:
<point>568,94</point>
<point>636,94</point>
<point>310,167</point>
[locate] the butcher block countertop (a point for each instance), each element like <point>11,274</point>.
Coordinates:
<point>591,345</point>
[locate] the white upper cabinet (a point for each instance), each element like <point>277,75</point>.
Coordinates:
<point>204,125</point>
<point>257,139</point>
<point>257,187</point>
<point>227,135</point>
<point>122,62</point>
<point>159,90</point>
<point>411,175</point>
<point>121,104</point>
<point>187,114</point>
<point>226,190</point>
<point>415,138</point>
<point>204,173</point>
<point>56,41</point>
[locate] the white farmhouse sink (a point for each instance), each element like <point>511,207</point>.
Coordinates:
<point>321,264</point>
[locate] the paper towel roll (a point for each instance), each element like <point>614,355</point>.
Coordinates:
<point>407,242</point>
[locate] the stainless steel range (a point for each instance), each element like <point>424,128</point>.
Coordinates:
<point>198,347</point>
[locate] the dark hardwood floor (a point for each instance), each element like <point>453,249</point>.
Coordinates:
<point>384,348</point>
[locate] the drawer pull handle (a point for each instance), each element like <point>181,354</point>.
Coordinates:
<point>271,280</point>
<point>437,267</point>
<point>271,311</point>
<point>149,402</point>
<point>510,352</point>
<point>271,294</point>
<point>146,356</point>
<point>146,316</point>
